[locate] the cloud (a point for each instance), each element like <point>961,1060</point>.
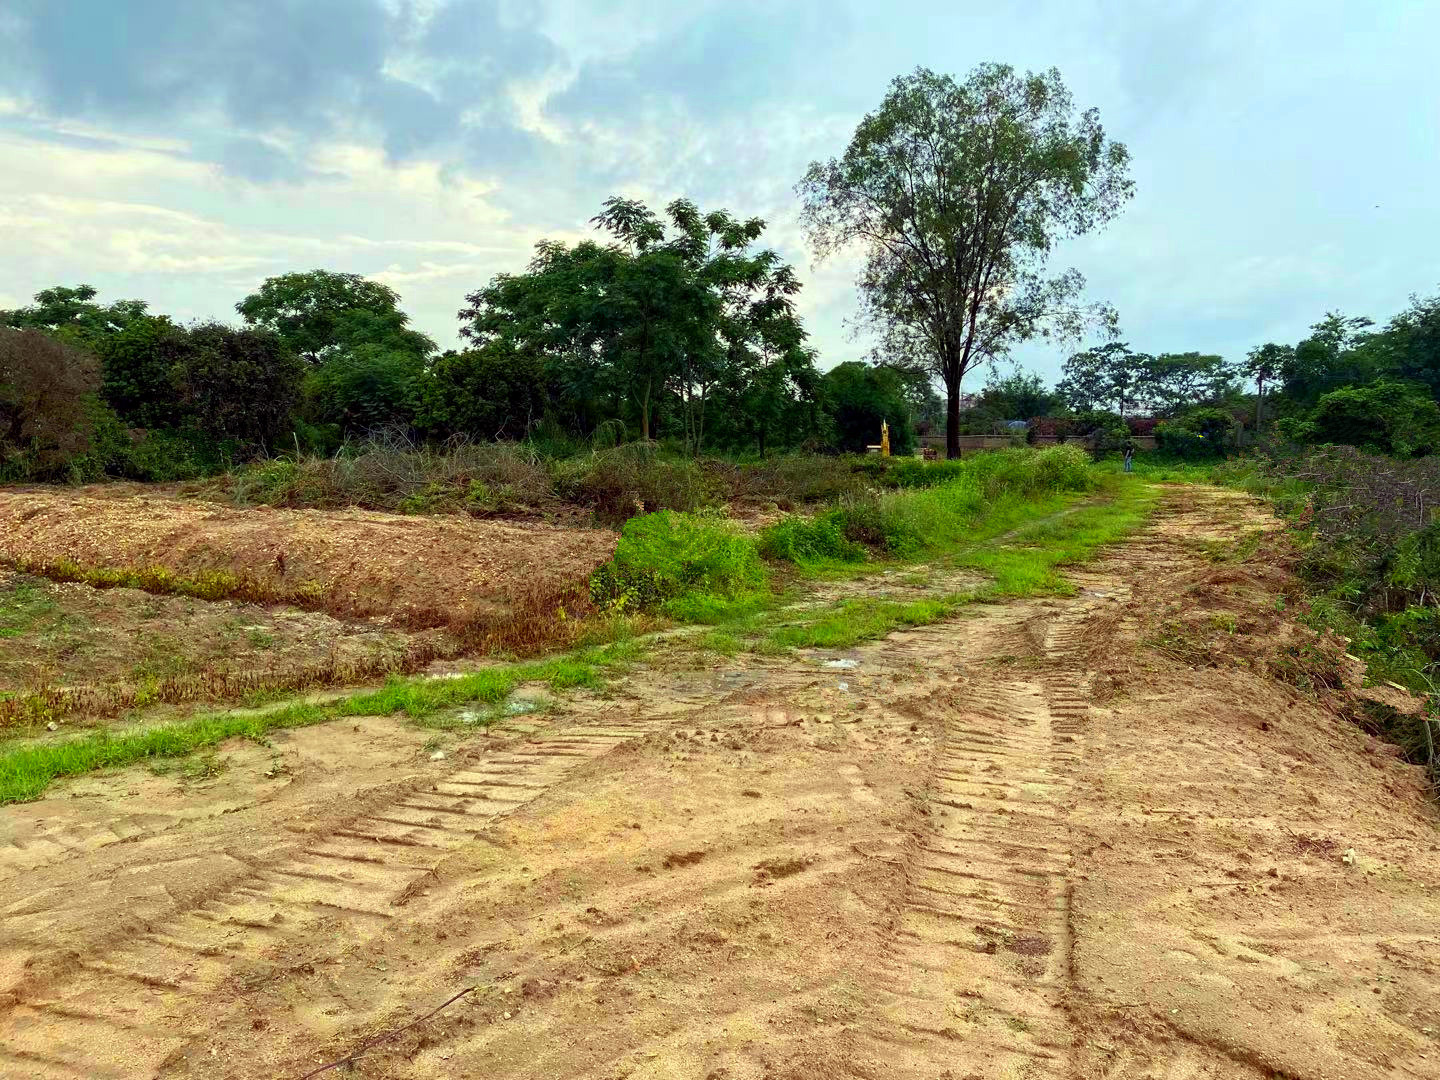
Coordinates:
<point>407,73</point>
<point>728,58</point>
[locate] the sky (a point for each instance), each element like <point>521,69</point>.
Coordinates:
<point>1286,154</point>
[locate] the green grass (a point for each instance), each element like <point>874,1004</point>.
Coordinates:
<point>26,771</point>
<point>853,621</point>
<point>1040,540</point>
<point>22,607</point>
<point>1029,563</point>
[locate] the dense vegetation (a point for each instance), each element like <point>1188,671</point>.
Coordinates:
<point>1369,546</point>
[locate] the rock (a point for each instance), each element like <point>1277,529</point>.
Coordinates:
<point>52,726</point>
<point>1349,857</point>
<point>438,755</point>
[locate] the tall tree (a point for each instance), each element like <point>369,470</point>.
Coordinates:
<point>860,397</point>
<point>957,192</point>
<point>318,313</point>
<point>1333,356</point>
<point>1413,343</point>
<point>71,312</point>
<point>1020,395</point>
<point>1174,382</point>
<point>670,306</point>
<point>1109,375</point>
<point>1264,364</point>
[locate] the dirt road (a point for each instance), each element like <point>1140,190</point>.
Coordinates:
<point>1024,843</point>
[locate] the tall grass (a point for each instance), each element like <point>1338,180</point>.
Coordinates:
<point>932,519</point>
<point>612,483</point>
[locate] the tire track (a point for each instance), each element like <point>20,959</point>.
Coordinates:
<point>122,1012</point>
<point>981,965</point>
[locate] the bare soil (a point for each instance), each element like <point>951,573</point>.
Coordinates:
<point>67,634</point>
<point>1050,838</point>
<point>414,570</point>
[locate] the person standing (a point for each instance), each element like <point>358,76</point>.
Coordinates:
<point>1129,456</point>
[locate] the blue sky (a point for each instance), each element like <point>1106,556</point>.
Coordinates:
<point>1285,154</point>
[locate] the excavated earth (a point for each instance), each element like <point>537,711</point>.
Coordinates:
<point>411,570</point>
<point>1044,839</point>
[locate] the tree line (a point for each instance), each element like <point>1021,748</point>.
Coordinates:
<point>680,325</point>
<point>674,326</point>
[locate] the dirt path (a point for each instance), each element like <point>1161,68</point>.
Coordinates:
<point>1020,844</point>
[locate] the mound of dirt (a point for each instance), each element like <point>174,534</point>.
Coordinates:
<point>416,571</point>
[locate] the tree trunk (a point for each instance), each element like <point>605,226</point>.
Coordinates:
<point>952,418</point>
<point>645,412</point>
<point>1259,405</point>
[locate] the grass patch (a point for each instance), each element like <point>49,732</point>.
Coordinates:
<point>698,564</point>
<point>853,621</point>
<point>26,771</point>
<point>22,607</point>
<point>977,492</point>
<point>1030,564</point>
<point>1040,538</point>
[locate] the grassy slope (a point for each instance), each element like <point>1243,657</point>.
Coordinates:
<point>1022,545</point>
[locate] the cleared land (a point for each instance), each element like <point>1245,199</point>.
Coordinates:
<point>411,571</point>
<point>1069,837</point>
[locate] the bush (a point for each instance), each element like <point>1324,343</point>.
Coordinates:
<point>239,386</point>
<point>493,392</point>
<point>476,478</point>
<point>664,555</point>
<point>803,540</point>
<point>1197,435</point>
<point>47,396</point>
<point>364,389</point>
<point>1394,418</point>
<point>633,479</point>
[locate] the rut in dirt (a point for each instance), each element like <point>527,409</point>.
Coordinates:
<point>981,963</point>
<point>98,1019</point>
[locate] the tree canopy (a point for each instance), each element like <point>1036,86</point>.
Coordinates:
<point>681,307</point>
<point>318,313</point>
<point>957,192</point>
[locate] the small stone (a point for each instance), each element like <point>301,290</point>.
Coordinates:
<point>438,755</point>
<point>52,726</point>
<point>507,1016</point>
<point>1349,857</point>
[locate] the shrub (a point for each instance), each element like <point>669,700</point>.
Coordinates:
<point>493,392</point>
<point>1198,434</point>
<point>623,481</point>
<point>477,478</point>
<point>1394,418</point>
<point>239,386</point>
<point>363,389</point>
<point>663,555</point>
<point>804,540</point>
<point>47,391</point>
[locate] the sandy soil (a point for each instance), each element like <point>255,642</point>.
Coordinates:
<point>1026,843</point>
<point>363,562</point>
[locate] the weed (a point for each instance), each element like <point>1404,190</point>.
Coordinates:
<point>665,556</point>
<point>22,607</point>
<point>26,771</point>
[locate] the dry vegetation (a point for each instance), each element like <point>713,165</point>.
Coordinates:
<point>123,600</point>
